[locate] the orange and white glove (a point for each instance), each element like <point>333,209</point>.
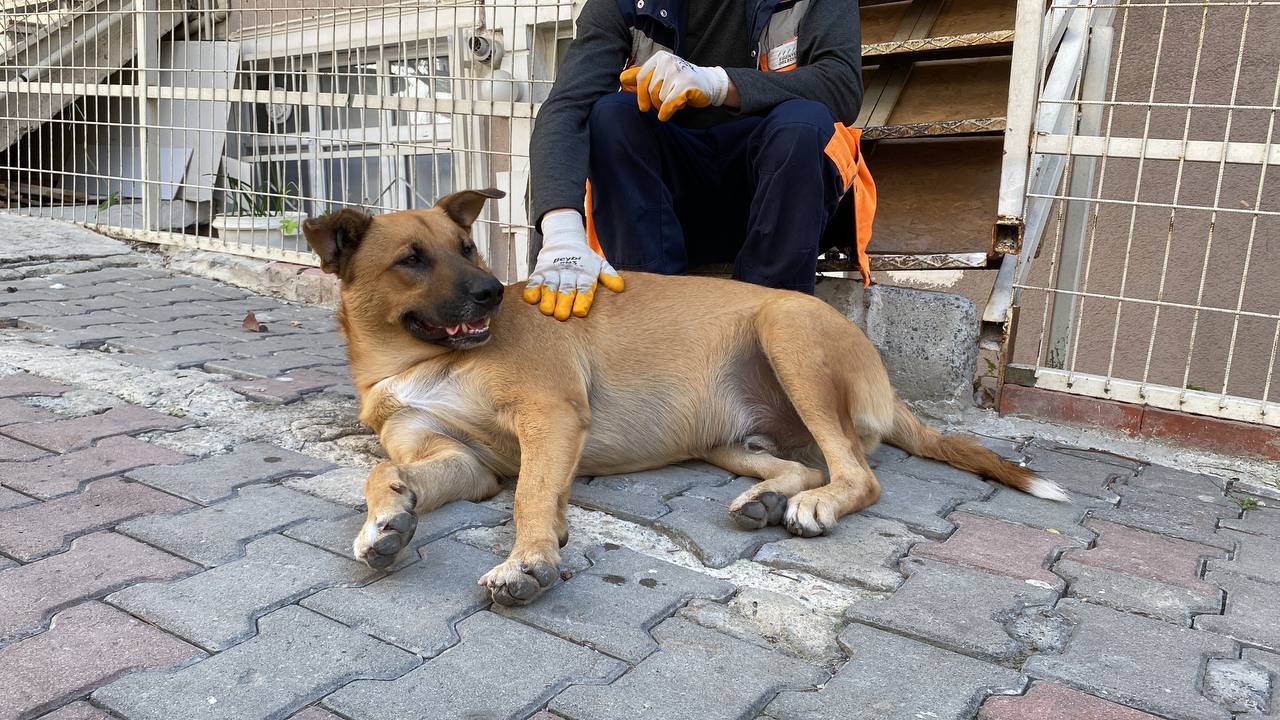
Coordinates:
<point>567,272</point>
<point>669,83</point>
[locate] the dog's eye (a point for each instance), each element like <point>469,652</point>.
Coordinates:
<point>414,260</point>
<point>468,248</point>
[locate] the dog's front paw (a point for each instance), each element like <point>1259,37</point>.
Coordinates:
<point>811,513</point>
<point>383,537</point>
<point>517,581</point>
<point>753,510</point>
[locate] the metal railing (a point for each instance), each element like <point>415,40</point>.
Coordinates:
<point>1152,207</point>
<point>220,124</point>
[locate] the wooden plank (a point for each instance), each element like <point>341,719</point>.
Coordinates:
<point>960,17</point>
<point>935,196</point>
<point>937,128</point>
<point>984,44</point>
<point>880,22</point>
<point>953,90</point>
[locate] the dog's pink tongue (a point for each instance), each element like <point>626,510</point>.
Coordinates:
<point>453,329</point>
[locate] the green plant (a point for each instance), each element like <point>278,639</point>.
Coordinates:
<point>268,198</point>
<point>111,200</point>
<point>1192,386</point>
<point>1245,502</point>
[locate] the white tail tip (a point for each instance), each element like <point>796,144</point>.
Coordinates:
<point>1048,489</point>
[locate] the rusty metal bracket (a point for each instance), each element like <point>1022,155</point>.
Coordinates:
<point>1006,235</point>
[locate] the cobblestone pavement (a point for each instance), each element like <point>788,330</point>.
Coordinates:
<point>178,496</point>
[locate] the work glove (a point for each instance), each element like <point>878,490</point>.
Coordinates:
<point>567,272</point>
<point>669,83</point>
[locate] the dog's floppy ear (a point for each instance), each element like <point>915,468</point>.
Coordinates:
<point>335,236</point>
<point>465,206</point>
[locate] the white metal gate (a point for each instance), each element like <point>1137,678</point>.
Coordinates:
<point>220,124</point>
<point>1151,249</point>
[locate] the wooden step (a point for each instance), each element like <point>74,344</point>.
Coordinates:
<point>978,44</point>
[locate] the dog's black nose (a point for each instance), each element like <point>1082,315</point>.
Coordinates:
<point>486,292</point>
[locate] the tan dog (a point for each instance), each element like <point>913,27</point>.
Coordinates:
<point>463,388</point>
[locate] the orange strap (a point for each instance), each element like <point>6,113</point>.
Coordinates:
<point>844,150</point>
<point>592,240</point>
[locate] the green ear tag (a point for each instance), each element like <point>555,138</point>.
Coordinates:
<point>337,239</point>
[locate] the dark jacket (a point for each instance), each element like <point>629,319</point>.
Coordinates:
<point>732,34</point>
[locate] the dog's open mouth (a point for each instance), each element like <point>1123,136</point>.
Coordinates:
<point>469,333</point>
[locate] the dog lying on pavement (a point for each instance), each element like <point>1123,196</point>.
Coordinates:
<point>464,388</point>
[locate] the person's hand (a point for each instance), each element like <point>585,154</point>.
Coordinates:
<point>567,272</point>
<point>670,83</point>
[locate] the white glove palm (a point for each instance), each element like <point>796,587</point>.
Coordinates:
<point>567,271</point>
<point>668,82</point>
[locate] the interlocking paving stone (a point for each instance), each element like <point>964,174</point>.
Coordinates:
<point>1151,665</point>
<point>85,645</point>
<point>22,384</point>
<point>1051,701</point>
<point>1261,521</point>
<point>639,591</point>
<point>1001,548</point>
<point>1171,515</point>
<point>941,472</point>
<point>1271,662</point>
<point>861,550</point>
<point>161,313</point>
<point>886,454</point>
<point>337,535</point>
<point>1155,557</point>
<point>1196,486</point>
<point>920,504</point>
<point>417,606</point>
<point>1256,557</point>
<point>501,669</point>
<point>699,674</point>
<point>78,710</point>
<point>288,388</point>
<point>216,477</point>
<point>955,607</point>
<point>217,534</point>
<point>269,366</point>
<point>220,607</point>
<point>12,499</point>
<point>13,412</point>
<point>165,343</point>
<point>1250,614</point>
<point>772,620</point>
<point>94,566</point>
<point>314,713</point>
<point>640,496</point>
<point>16,452</point>
<point>249,680</point>
<point>32,531</point>
<point>343,485</point>
<point>700,522</point>
<point>75,433</point>
<point>1136,594</point>
<point>62,474</point>
<point>185,357</point>
<point>1016,506</point>
<point>75,322</point>
<point>1240,685</point>
<point>893,678</point>
<point>1077,472</point>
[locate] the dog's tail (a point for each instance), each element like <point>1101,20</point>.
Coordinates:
<point>965,453</point>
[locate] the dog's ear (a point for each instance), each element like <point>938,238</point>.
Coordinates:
<point>465,206</point>
<point>335,237</point>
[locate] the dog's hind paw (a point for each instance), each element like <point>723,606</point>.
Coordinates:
<point>811,513</point>
<point>518,582</point>
<point>382,539</point>
<point>754,512</point>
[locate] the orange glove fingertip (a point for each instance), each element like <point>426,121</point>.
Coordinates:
<point>532,294</point>
<point>564,305</point>
<point>582,305</point>
<point>613,282</point>
<point>548,304</point>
